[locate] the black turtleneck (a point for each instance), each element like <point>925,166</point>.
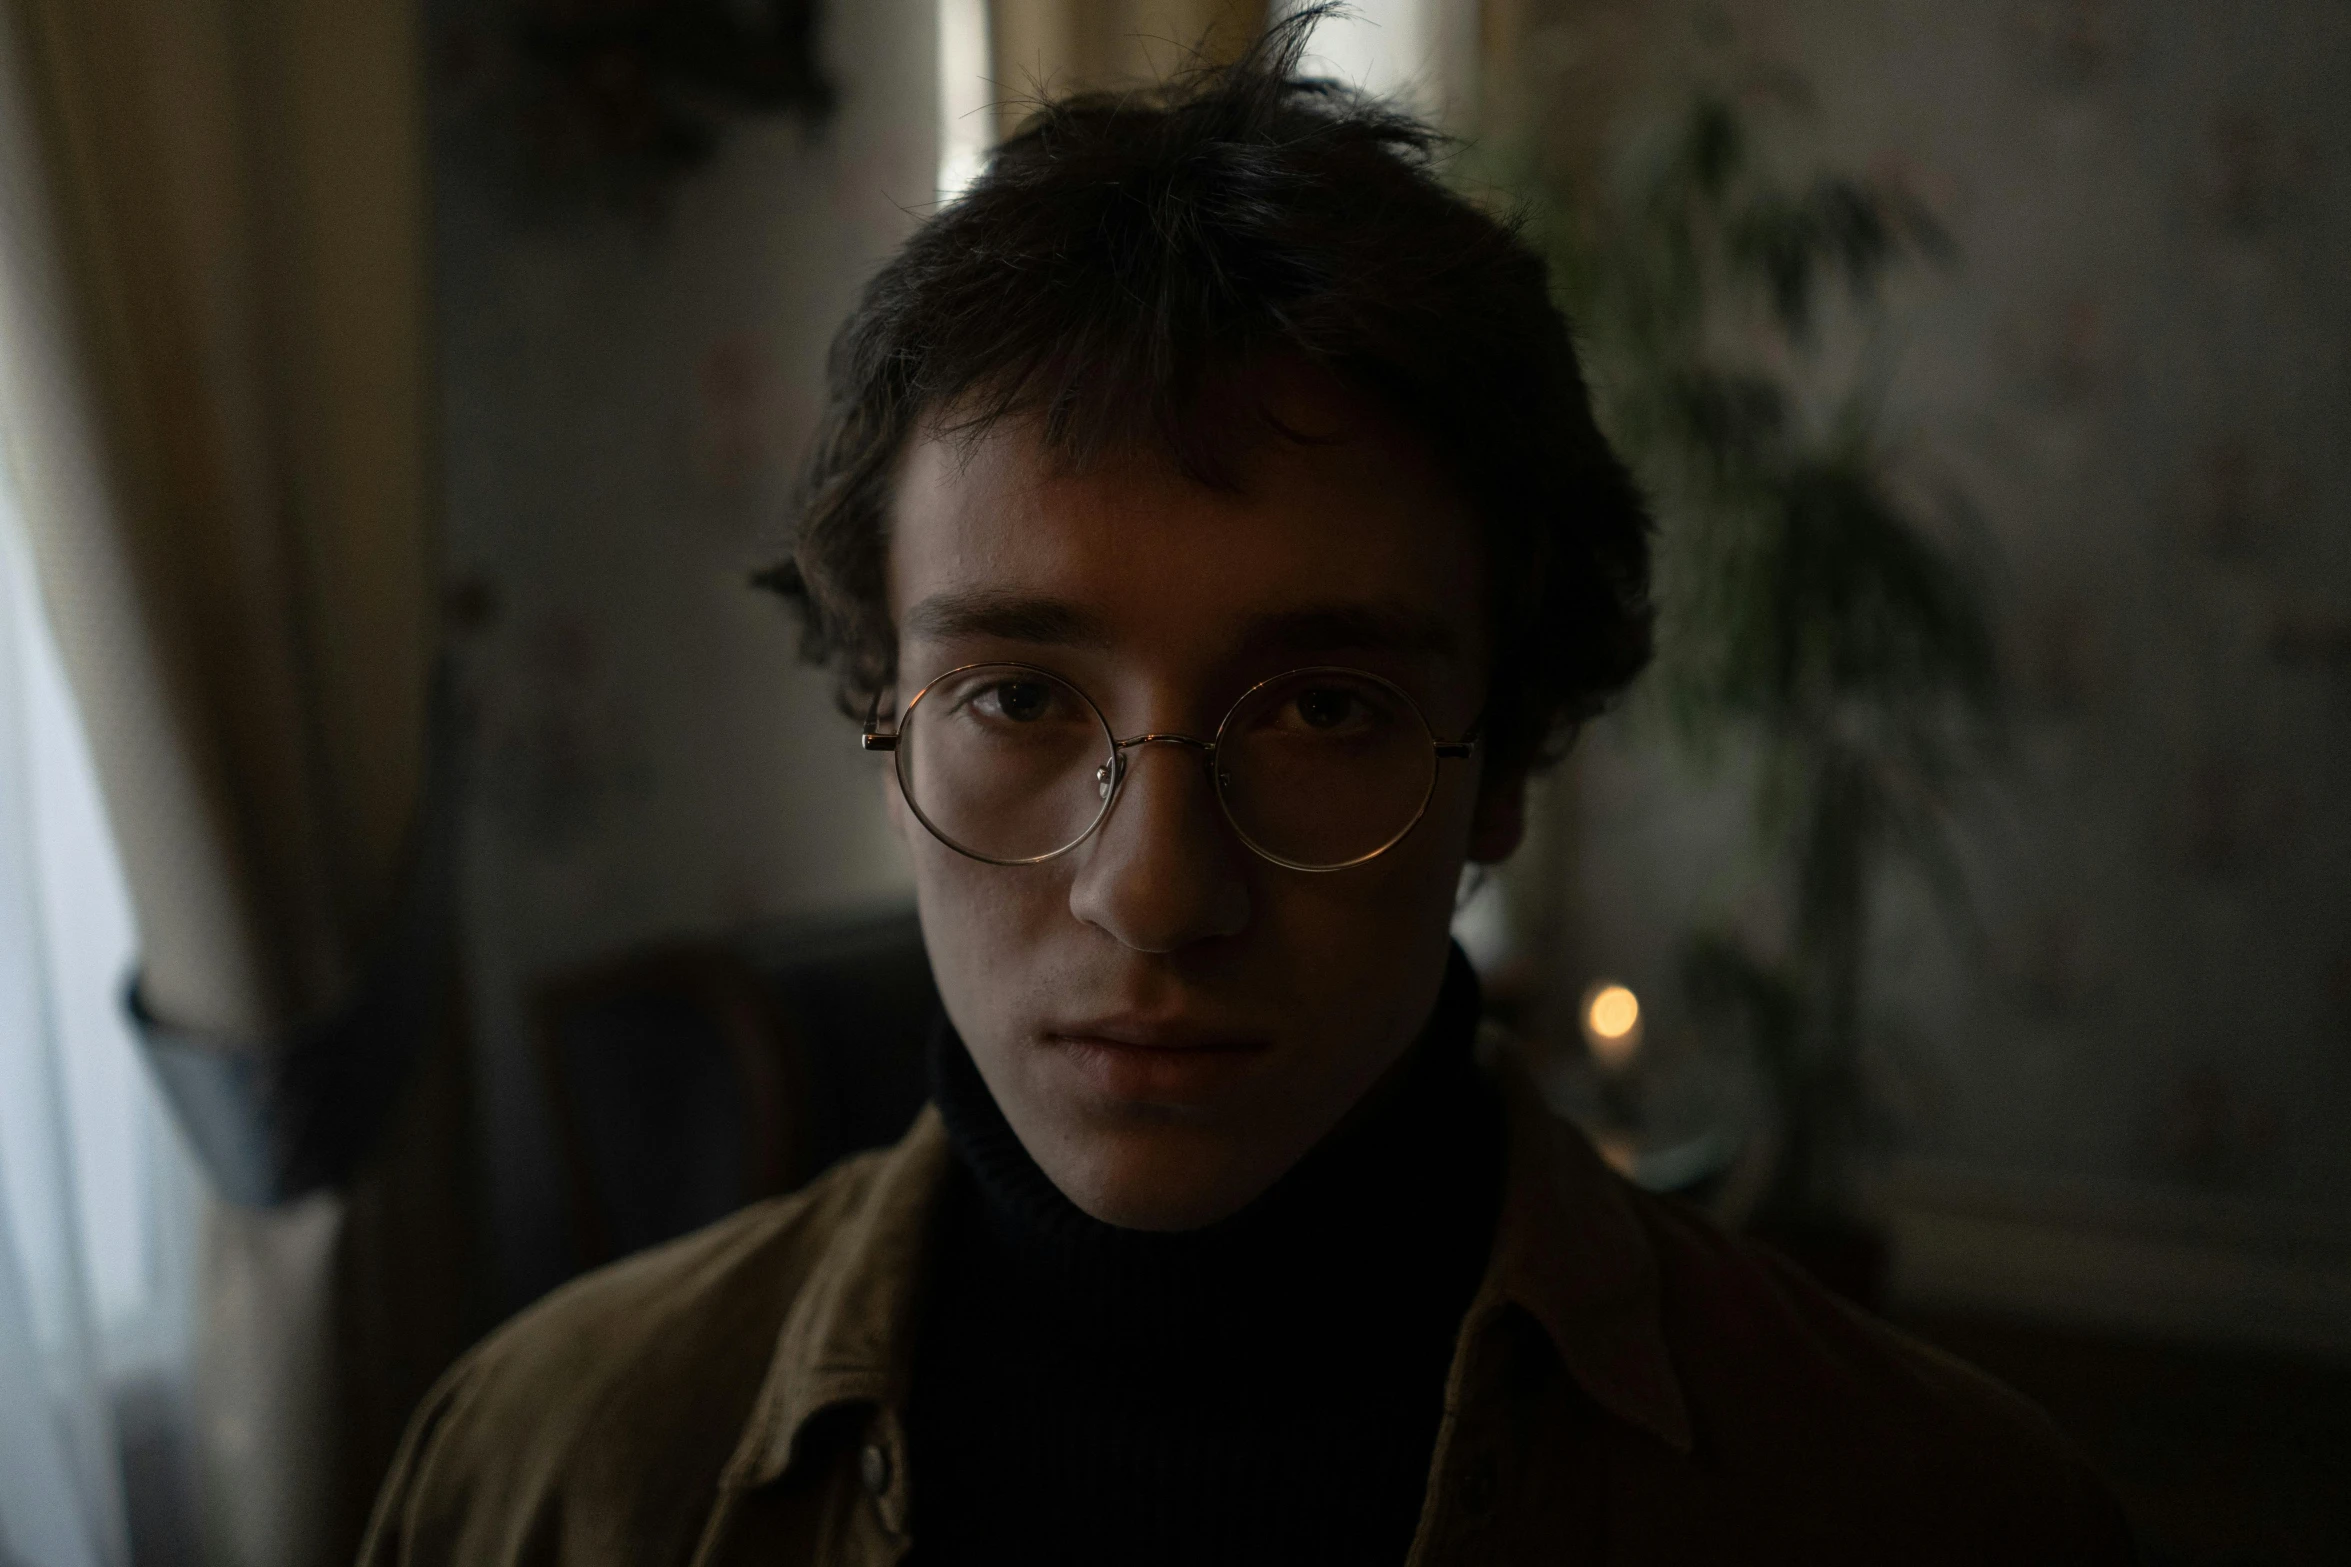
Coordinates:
<point>1263,1390</point>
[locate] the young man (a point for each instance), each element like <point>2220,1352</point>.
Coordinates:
<point>1211,521</point>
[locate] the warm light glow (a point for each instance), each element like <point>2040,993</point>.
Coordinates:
<point>1614,1012</point>
<point>1612,1024</point>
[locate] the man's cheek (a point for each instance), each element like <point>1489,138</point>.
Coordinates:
<point>902,820</point>
<point>985,926</point>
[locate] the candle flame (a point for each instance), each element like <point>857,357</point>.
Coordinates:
<point>1612,1024</point>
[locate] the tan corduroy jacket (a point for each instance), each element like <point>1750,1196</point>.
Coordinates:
<point>1631,1385</point>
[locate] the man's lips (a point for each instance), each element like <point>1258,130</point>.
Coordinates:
<point>1171,1035</point>
<point>1152,1060</point>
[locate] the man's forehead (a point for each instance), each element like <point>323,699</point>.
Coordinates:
<point>989,613</point>
<point>1238,423</point>
<point>1339,528</point>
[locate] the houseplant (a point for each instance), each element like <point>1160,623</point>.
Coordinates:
<point>1815,618</point>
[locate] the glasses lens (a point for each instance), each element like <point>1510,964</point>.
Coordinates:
<point>1325,767</point>
<point>1004,762</point>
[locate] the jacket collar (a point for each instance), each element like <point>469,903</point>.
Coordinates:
<point>849,1337</point>
<point>1567,1250</point>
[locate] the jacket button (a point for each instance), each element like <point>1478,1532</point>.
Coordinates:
<point>873,1467</point>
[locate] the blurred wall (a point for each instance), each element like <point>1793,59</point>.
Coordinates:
<point>1044,48</point>
<point>630,371</point>
<point>2128,1100</point>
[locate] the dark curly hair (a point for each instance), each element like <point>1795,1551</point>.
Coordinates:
<point>1123,257</point>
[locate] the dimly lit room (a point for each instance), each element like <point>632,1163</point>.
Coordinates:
<point>1135,781</point>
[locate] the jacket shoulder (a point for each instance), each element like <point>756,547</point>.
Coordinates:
<point>594,1425</point>
<point>1807,1406</point>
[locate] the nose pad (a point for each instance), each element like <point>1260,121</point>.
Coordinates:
<point>1166,877</point>
<point>1112,775</point>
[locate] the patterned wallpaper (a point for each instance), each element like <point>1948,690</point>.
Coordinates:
<point>628,379</point>
<point>2139,372</point>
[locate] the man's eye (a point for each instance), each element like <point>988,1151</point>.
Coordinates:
<point>1022,701</point>
<point>1327,708</point>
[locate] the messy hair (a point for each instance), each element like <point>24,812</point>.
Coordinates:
<point>1125,258</point>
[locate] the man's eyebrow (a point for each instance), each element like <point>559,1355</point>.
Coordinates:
<point>1354,628</point>
<point>1009,617</point>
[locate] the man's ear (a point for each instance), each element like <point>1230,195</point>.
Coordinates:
<point>1501,818</point>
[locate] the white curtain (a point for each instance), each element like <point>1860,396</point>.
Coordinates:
<point>214,256</point>
<point>97,1201</point>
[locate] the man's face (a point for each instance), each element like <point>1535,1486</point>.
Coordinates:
<point>1168,1021</point>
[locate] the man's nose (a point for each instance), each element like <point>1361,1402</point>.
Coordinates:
<point>1162,872</point>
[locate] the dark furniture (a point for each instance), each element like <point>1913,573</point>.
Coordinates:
<point>689,1079</point>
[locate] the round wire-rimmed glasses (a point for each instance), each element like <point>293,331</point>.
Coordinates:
<point>1317,769</point>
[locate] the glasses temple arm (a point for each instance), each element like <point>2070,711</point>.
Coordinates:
<point>874,739</point>
<point>1460,750</point>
